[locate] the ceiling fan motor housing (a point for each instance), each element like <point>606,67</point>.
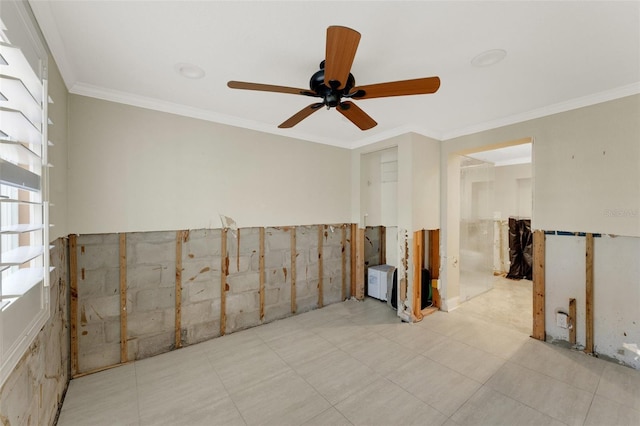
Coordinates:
<point>331,97</point>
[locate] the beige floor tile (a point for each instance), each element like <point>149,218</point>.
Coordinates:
<point>413,336</point>
<point>285,399</point>
<point>230,342</point>
<point>329,417</point>
<point>113,384</point>
<point>509,303</point>
<point>446,323</point>
<point>336,375</point>
<point>490,408</point>
<point>604,411</point>
<point>278,328</point>
<point>440,387</point>
<point>105,398</point>
<point>385,403</point>
<point>572,367</point>
<point>174,367</point>
<point>545,394</point>
<point>495,339</point>
<point>340,331</point>
<point>300,346</point>
<point>198,407</point>
<point>622,384</point>
<point>245,368</point>
<point>469,361</point>
<point>379,353</point>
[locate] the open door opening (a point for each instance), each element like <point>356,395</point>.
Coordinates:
<point>496,193</point>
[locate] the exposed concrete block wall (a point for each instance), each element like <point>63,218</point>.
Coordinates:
<point>98,321</point>
<point>33,391</point>
<point>372,245</point>
<point>151,293</point>
<point>332,248</point>
<point>243,279</point>
<point>200,301</point>
<point>151,257</point>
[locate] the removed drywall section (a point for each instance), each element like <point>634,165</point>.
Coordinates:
<point>309,265</point>
<point>616,297</point>
<point>132,169</point>
<point>616,320</point>
<point>564,280</point>
<point>33,392</point>
<point>200,310</point>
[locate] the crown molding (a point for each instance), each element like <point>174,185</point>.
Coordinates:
<point>584,101</point>
<point>201,114</point>
<point>117,96</point>
<point>42,12</point>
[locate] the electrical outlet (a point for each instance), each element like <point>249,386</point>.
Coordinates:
<point>562,320</point>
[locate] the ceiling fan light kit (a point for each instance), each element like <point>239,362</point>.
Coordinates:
<point>334,82</point>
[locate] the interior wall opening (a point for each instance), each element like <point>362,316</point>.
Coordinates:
<point>495,259</point>
<point>379,210</point>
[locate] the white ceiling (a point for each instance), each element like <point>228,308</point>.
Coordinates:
<point>560,56</point>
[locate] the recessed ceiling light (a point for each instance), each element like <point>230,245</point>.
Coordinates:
<point>488,58</point>
<point>190,71</point>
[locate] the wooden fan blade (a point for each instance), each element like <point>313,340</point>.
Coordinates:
<point>418,86</point>
<point>300,115</point>
<point>356,115</point>
<point>342,43</point>
<point>269,88</point>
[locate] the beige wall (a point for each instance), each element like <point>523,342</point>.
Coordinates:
<point>586,175</point>
<point>132,169</point>
<point>586,166</point>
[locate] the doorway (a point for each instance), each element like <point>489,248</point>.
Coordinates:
<point>496,191</point>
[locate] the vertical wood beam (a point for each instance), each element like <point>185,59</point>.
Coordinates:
<point>434,264</point>
<point>181,236</point>
<point>383,245</point>
<point>320,266</point>
<point>73,289</point>
<point>418,257</point>
<point>294,256</point>
<point>343,244</point>
<point>573,317</point>
<point>588,348</point>
<point>261,290</point>
<point>353,245</point>
<point>538,285</point>
<point>224,272</point>
<point>123,299</point>
<point>359,280</point>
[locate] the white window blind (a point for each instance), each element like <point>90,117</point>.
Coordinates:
<point>24,236</point>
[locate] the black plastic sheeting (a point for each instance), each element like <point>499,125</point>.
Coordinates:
<point>520,249</point>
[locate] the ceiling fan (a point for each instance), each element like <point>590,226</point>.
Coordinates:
<point>334,82</point>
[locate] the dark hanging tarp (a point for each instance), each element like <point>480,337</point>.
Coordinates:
<point>520,249</point>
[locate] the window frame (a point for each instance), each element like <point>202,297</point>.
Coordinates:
<point>23,167</point>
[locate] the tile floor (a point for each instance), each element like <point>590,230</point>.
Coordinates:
<point>355,363</point>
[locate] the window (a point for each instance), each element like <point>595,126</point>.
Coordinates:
<point>24,236</point>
